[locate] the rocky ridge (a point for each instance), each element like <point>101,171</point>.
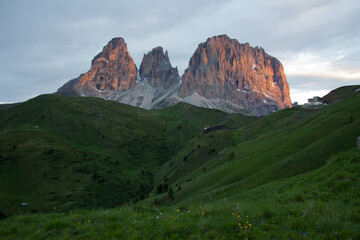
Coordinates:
<point>222,74</point>
<point>236,76</point>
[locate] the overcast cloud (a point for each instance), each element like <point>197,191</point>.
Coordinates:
<point>43,44</point>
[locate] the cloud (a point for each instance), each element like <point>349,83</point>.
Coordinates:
<point>309,64</point>
<point>46,43</point>
<point>304,87</point>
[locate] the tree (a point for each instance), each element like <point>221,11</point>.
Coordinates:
<point>166,186</point>
<point>351,119</point>
<point>171,193</point>
<point>159,189</point>
<point>231,156</point>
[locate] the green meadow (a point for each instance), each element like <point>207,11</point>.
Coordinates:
<point>86,168</point>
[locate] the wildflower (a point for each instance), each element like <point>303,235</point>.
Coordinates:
<point>250,225</point>
<point>238,216</point>
<point>245,226</point>
<point>63,214</point>
<point>246,216</point>
<point>246,222</point>
<point>241,227</point>
<point>239,224</point>
<point>54,208</point>
<point>178,210</point>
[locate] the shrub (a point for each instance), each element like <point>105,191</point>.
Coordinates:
<point>159,189</point>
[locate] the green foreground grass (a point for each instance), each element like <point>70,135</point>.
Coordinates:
<point>322,204</point>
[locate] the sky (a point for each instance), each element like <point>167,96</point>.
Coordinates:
<point>45,43</point>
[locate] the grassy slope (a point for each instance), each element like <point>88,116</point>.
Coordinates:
<point>321,204</point>
<point>284,144</point>
<point>86,152</point>
<point>292,175</point>
<point>341,93</point>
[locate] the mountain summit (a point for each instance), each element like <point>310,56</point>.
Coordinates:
<point>231,76</point>
<point>222,74</point>
<point>157,70</point>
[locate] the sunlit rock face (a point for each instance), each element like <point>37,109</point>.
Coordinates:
<point>222,74</point>
<point>112,69</point>
<point>235,76</point>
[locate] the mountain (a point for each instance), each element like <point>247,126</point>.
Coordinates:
<point>222,74</point>
<point>112,70</point>
<point>157,81</point>
<point>225,74</point>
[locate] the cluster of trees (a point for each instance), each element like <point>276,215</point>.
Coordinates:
<point>163,188</point>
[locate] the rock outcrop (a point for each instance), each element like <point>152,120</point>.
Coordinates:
<point>231,76</point>
<point>222,74</point>
<point>156,83</point>
<point>156,69</point>
<point>112,70</point>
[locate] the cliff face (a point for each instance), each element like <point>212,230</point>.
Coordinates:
<point>111,69</point>
<point>156,69</point>
<point>223,70</point>
<point>222,74</point>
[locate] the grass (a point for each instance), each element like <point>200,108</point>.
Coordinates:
<point>89,169</point>
<point>281,215</point>
<point>88,152</point>
<point>329,209</point>
<point>281,145</point>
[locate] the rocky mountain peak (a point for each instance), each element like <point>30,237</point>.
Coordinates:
<point>242,76</point>
<point>222,73</point>
<point>156,69</point>
<point>113,50</point>
<point>112,69</point>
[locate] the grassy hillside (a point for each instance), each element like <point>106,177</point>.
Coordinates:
<point>199,173</point>
<point>287,143</point>
<point>341,93</point>
<point>321,204</point>
<point>87,152</point>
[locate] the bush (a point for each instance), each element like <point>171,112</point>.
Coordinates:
<point>231,156</point>
<point>159,189</point>
<point>171,193</point>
